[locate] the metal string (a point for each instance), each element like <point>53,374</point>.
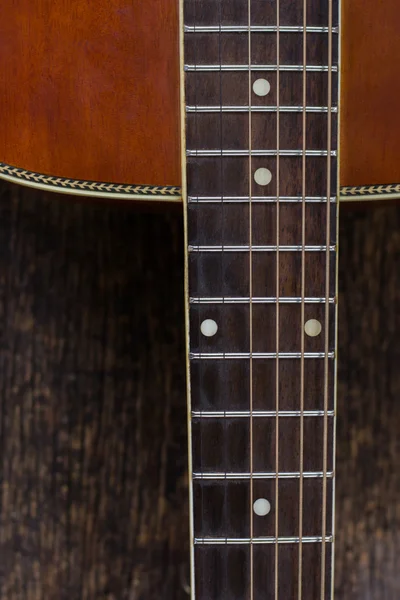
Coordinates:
<point>302,293</point>
<point>201,382</point>
<point>251,495</point>
<point>223,319</point>
<point>327,286</point>
<point>277,306</point>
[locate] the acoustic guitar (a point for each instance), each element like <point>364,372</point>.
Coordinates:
<point>231,106</point>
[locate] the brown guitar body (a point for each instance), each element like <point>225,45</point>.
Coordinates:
<point>90,92</point>
<point>370,90</point>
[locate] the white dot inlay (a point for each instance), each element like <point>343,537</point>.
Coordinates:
<point>209,327</point>
<point>262,507</point>
<point>313,327</point>
<point>261,87</point>
<point>262,176</point>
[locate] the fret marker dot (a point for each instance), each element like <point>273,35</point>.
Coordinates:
<point>313,327</point>
<point>262,507</point>
<point>261,87</point>
<point>209,327</point>
<point>262,176</point>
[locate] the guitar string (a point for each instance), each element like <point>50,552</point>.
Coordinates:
<point>327,286</point>
<point>222,312</point>
<point>277,315</point>
<point>302,315</point>
<point>201,365</point>
<point>250,170</point>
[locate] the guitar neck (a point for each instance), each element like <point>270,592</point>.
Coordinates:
<point>261,139</point>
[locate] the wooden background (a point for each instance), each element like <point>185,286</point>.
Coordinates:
<point>92,402</point>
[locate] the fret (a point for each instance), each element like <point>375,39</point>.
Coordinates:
<point>209,177</point>
<point>260,109</point>
<point>231,88</point>
<point>221,274</point>
<point>222,152</point>
<point>226,135</point>
<point>232,223</point>
<point>259,475</point>
<point>257,355</point>
<point>259,200</point>
<point>233,320</point>
<point>221,445</point>
<point>209,12</point>
<point>259,413</point>
<point>255,29</point>
<point>220,507</point>
<point>260,248</point>
<point>255,67</point>
<point>225,571</point>
<point>255,300</point>
<point>226,48</point>
<point>216,381</point>
<point>263,540</point>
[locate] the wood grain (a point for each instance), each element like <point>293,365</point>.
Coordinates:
<point>92,432</point>
<point>91,90</point>
<point>92,404</point>
<point>370,125</point>
<point>368,450</point>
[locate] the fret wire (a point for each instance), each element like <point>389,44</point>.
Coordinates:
<point>234,355</point>
<point>277,283</point>
<point>261,540</point>
<point>260,476</point>
<point>226,414</point>
<point>272,248</point>
<point>258,300</point>
<point>285,68</point>
<point>257,109</point>
<point>327,285</point>
<point>260,199</point>
<point>302,318</point>
<point>256,29</point>
<point>244,153</point>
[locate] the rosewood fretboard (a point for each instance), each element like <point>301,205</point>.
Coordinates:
<point>261,217</point>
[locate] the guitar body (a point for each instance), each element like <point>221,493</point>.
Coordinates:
<point>370,124</point>
<point>90,94</point>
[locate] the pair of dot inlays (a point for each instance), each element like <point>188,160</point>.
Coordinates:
<point>209,327</point>
<point>262,176</point>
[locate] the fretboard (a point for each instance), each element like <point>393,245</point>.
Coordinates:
<point>261,140</point>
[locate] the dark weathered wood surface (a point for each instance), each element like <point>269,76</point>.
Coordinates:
<point>92,403</point>
<point>368,448</point>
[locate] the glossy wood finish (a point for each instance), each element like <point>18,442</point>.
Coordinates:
<point>370,87</point>
<point>222,223</point>
<point>92,93</point>
<point>90,90</point>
